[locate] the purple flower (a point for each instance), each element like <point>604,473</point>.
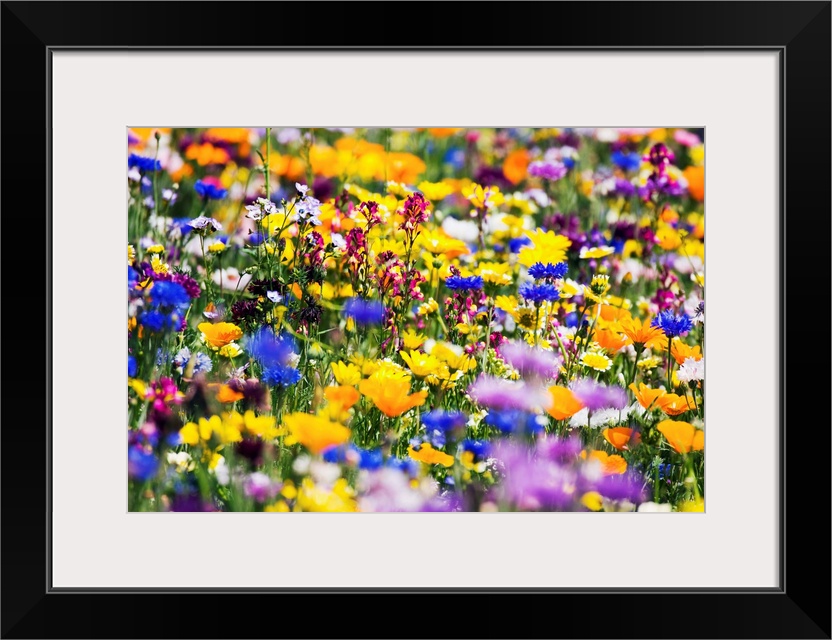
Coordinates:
<point>261,487</point>
<point>560,449</point>
<point>596,396</point>
<point>209,191</point>
<point>548,170</point>
<point>532,482</point>
<point>626,486</point>
<point>531,361</point>
<point>499,394</point>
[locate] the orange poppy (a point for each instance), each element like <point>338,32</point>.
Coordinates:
<point>220,334</point>
<point>609,313</point>
<point>390,395</point>
<point>682,436</point>
<point>696,182</point>
<point>316,433</point>
<point>345,396</point>
<point>646,396</point>
<point>227,395</point>
<point>610,464</point>
<point>429,455</point>
<point>681,351</point>
<point>642,333</point>
<point>444,132</point>
<point>610,341</point>
<point>515,165</point>
<point>565,404</point>
<point>619,437</point>
<point>673,405</point>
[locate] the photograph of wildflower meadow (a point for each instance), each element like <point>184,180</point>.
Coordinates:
<point>421,319</point>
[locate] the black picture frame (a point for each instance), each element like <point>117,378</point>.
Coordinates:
<point>31,31</point>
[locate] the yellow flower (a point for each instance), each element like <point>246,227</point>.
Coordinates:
<point>483,197</point>
<point>596,252</point>
<point>220,334</point>
<point>346,373</point>
<point>231,350</point>
<point>494,272</point>
<point>158,266</point>
<point>131,254</point>
<point>278,507</point>
<point>547,246</point>
<point>509,304</point>
<point>592,500</point>
<point>338,499</point>
<point>427,454</point>
<point>438,242</point>
<point>390,394</point>
<point>217,247</point>
<point>156,248</point>
<point>598,288</point>
<point>435,191</point>
<point>692,506</point>
<point>428,307</point>
<point>454,356</point>
<point>262,426</point>
<point>568,288</point>
<point>316,433</point>
<point>420,364</point>
<point>226,431</point>
<point>412,340</point>
<point>649,363</point>
<point>596,360</point>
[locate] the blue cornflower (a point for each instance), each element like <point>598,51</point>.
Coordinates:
<point>141,464</point>
<point>143,163</point>
<point>169,294</point>
<point>626,161</point>
<point>132,278</point>
<point>515,244</point>
<point>538,293</point>
<point>455,157</point>
<point>370,459</point>
<point>571,319</point>
<point>255,239</point>
<point>539,271</point>
<point>408,466</point>
<point>209,191</point>
<point>281,376</point>
<point>514,421</point>
<point>479,448</point>
<point>672,325</point>
<point>155,320</point>
<point>270,349</point>
<point>444,420</point>
<point>461,283</point>
<point>364,312</point>
<point>132,366</point>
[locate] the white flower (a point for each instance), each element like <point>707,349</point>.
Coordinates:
<point>202,222</point>
<point>464,230</point>
<point>134,174</point>
<point>655,507</point>
<point>602,418</point>
<point>274,296</point>
<point>221,472</point>
<point>287,135</point>
<point>302,189</point>
<point>230,279</point>
<point>338,241</point>
<point>692,370</point>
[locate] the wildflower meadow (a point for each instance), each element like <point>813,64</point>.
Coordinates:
<point>377,320</point>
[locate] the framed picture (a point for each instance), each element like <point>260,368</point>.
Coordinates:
<point>452,284</point>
